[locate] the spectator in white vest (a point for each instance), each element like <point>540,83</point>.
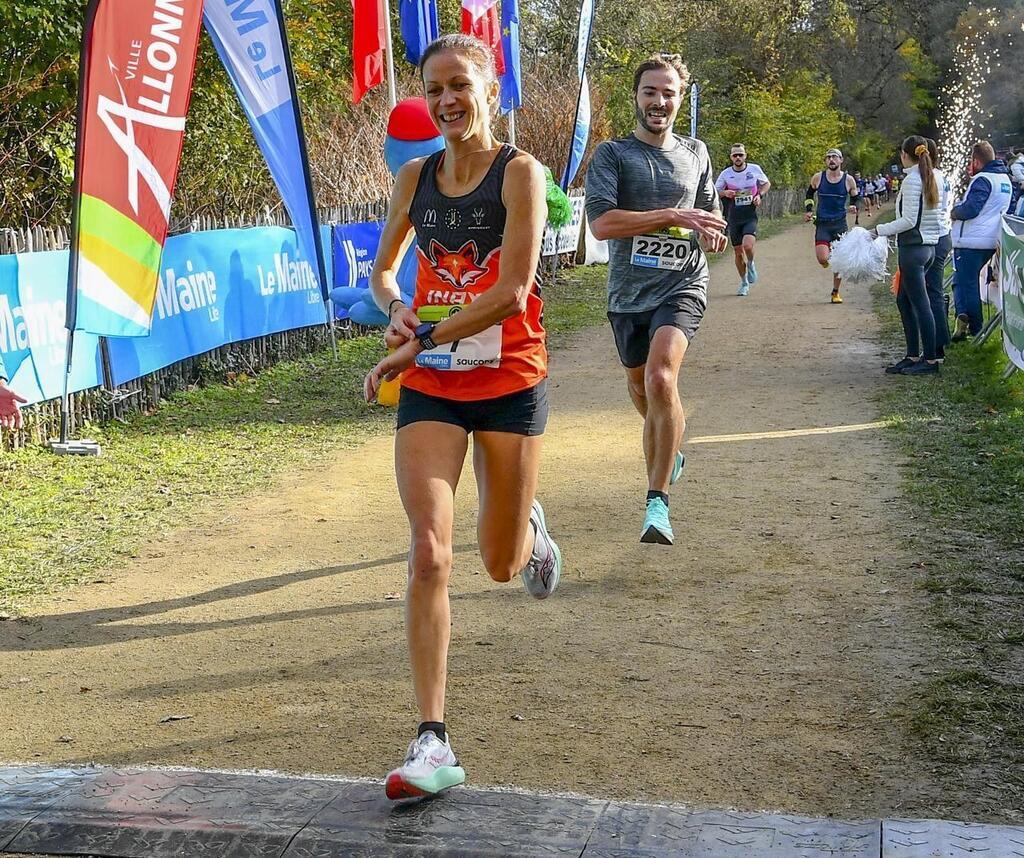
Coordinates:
<point>976,220</point>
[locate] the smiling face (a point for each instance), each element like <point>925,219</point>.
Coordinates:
<point>658,97</point>
<point>459,96</point>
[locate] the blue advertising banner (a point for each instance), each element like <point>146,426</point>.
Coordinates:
<point>250,37</point>
<point>355,249</point>
<point>33,339</point>
<point>220,287</point>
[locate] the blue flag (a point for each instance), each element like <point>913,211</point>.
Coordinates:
<point>511,80</point>
<point>418,22</point>
<point>250,37</point>
<point>581,131</point>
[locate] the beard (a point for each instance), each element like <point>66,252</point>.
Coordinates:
<point>641,117</point>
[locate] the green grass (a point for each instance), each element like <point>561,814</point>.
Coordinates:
<point>962,434</point>
<point>65,519</point>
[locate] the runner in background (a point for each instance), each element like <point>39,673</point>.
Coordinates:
<point>474,361</point>
<point>652,195</point>
<point>743,187</point>
<point>862,185</point>
<point>832,186</point>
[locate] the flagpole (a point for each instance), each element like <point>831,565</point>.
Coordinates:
<point>71,304</point>
<point>318,243</point>
<point>389,57</point>
<point>512,127</point>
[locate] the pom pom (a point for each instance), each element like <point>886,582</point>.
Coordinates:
<point>398,152</point>
<point>859,258</point>
<point>410,120</point>
<point>559,207</point>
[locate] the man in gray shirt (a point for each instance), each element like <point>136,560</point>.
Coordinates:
<point>652,195</point>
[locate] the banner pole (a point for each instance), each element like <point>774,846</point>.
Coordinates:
<point>314,217</point>
<point>389,57</point>
<point>512,127</point>
<point>71,300</point>
<point>582,66</point>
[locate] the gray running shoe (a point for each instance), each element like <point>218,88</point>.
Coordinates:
<point>541,573</point>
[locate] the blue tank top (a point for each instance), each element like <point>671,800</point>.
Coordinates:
<point>832,198</point>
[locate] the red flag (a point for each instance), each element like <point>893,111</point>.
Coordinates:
<point>480,18</point>
<point>368,37</point>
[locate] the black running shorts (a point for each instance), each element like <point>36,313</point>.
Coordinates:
<point>738,230</point>
<point>827,231</point>
<point>522,413</point>
<point>634,331</point>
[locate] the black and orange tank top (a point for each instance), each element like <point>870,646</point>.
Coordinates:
<point>458,255</point>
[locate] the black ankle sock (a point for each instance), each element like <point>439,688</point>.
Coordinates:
<point>435,727</point>
<point>654,494</point>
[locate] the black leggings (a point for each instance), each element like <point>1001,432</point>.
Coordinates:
<point>933,277</point>
<point>912,300</point>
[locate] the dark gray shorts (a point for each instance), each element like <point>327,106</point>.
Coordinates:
<point>634,331</point>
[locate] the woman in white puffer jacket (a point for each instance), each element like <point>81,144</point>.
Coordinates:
<point>917,227</point>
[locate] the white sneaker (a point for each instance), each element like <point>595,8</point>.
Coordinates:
<point>430,766</point>
<point>544,568</point>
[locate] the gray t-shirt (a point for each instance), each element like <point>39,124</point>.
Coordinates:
<point>645,271</point>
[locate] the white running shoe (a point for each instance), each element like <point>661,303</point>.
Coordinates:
<point>430,766</point>
<point>544,568</point>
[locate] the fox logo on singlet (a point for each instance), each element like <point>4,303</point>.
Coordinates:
<point>459,268</point>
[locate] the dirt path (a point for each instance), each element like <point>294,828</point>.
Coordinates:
<point>751,665</point>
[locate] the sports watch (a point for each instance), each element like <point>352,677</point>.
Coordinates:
<point>423,333</point>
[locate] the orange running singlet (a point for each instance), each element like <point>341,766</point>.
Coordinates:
<point>458,254</point>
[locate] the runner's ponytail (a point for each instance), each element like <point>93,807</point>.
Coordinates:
<point>916,148</point>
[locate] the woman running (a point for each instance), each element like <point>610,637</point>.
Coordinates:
<point>473,359</point>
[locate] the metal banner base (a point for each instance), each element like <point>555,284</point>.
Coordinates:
<point>82,447</point>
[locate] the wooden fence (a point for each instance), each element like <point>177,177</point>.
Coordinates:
<point>98,405</point>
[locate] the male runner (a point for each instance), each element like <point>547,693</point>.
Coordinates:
<point>653,197</point>
<point>743,187</point>
<point>833,186</point>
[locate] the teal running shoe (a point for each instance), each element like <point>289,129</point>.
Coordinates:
<point>430,766</point>
<point>751,273</point>
<point>744,289</point>
<point>677,469</point>
<point>544,568</point>
<point>657,529</point>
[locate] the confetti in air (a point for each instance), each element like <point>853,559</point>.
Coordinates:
<point>962,119</point>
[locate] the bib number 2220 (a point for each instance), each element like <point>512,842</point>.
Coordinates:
<point>661,251</point>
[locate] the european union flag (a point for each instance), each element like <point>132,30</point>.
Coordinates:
<point>511,80</point>
<point>418,22</point>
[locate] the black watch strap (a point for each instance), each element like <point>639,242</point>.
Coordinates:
<point>423,334</point>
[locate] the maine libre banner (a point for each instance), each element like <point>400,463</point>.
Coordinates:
<point>250,37</point>
<point>137,61</point>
